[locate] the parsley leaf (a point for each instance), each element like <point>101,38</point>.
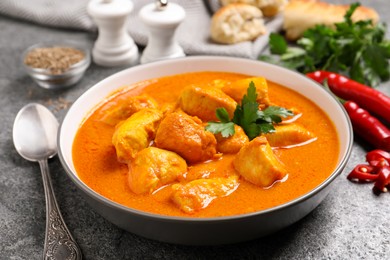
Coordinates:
<point>266,128</point>
<point>277,43</point>
<point>247,115</point>
<point>222,115</point>
<point>226,129</point>
<point>273,114</point>
<point>358,50</point>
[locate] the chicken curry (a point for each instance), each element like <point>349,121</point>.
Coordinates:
<point>149,146</point>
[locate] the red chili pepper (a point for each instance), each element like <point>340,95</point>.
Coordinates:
<point>383,180</point>
<point>363,173</point>
<point>378,158</point>
<point>377,171</point>
<point>345,88</point>
<point>368,127</point>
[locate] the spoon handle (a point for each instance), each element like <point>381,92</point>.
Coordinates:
<point>59,243</point>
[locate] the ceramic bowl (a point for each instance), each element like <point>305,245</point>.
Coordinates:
<point>59,79</point>
<point>216,230</point>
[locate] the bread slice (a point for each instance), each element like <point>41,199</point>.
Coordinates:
<point>299,15</point>
<point>237,23</point>
<point>268,7</point>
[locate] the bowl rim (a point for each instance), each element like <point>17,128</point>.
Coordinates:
<point>80,66</point>
<point>85,188</point>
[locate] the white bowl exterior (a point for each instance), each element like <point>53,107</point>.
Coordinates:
<point>95,95</point>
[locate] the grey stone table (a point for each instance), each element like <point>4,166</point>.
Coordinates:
<point>351,223</point>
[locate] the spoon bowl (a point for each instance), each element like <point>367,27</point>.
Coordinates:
<point>35,133</point>
<point>35,139</point>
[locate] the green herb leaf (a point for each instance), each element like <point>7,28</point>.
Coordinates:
<point>293,53</point>
<point>274,114</point>
<point>226,129</point>
<point>266,128</point>
<point>222,115</point>
<point>350,11</point>
<point>358,50</point>
<point>278,44</point>
<point>247,115</point>
<point>251,94</point>
<point>252,130</point>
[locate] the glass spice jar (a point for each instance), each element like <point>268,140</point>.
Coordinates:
<point>56,65</point>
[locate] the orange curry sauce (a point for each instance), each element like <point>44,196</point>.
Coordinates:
<point>97,166</point>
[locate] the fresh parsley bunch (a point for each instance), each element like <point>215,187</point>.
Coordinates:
<point>358,50</point>
<point>249,117</point>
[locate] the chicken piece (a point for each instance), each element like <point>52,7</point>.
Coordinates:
<point>218,83</point>
<point>167,108</point>
<point>202,101</point>
<point>239,88</point>
<point>289,135</point>
<point>135,133</point>
<point>153,167</point>
<point>198,194</point>
<point>232,144</point>
<point>125,107</point>
<point>257,163</point>
<point>185,135</point>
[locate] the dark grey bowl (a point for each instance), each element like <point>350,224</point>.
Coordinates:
<point>204,231</point>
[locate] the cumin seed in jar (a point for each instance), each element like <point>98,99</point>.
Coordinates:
<point>55,59</point>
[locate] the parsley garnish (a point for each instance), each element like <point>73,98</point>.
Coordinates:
<point>225,127</point>
<point>358,50</point>
<point>249,117</point>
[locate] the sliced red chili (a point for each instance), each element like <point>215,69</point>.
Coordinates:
<point>383,181</point>
<point>363,173</point>
<point>378,158</point>
<point>378,171</point>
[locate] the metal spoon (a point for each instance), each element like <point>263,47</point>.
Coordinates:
<point>35,139</point>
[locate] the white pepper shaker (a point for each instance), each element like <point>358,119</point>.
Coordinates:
<point>162,19</point>
<point>114,46</point>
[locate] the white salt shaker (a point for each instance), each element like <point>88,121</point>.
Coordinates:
<point>161,19</point>
<point>114,46</point>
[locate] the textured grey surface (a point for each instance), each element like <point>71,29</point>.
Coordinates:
<point>351,223</point>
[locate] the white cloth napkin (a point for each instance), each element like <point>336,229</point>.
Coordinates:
<point>193,34</point>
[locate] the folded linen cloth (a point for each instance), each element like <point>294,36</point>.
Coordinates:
<point>193,34</point>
